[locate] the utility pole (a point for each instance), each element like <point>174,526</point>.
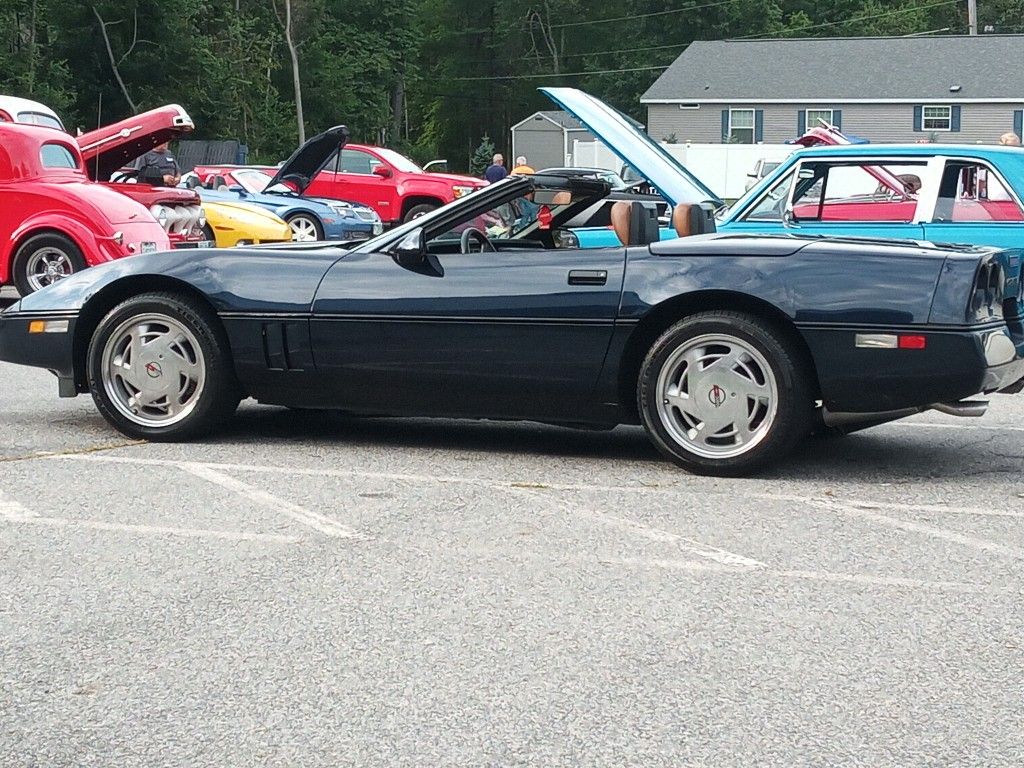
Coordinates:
<point>972,17</point>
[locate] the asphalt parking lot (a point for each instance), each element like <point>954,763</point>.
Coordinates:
<point>311,590</point>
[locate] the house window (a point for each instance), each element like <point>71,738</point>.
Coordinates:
<point>814,115</point>
<point>741,126</point>
<point>937,119</point>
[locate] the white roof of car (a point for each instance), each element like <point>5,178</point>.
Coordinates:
<point>14,105</point>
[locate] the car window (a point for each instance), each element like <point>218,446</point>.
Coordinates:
<point>857,192</point>
<point>357,161</point>
<point>40,118</point>
<point>57,156</point>
<point>773,203</point>
<point>513,218</point>
<point>971,192</point>
<point>252,181</point>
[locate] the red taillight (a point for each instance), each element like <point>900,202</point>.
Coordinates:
<point>913,342</point>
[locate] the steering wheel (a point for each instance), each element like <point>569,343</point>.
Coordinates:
<point>472,233</point>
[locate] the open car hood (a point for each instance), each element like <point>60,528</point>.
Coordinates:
<point>308,160</point>
<point>634,147</point>
<point>114,146</point>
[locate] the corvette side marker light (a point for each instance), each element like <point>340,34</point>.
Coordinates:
<point>890,341</point>
<point>48,326</point>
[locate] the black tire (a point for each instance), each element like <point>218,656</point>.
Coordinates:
<point>212,404</point>
<point>777,435</point>
<point>209,234</point>
<point>26,261</point>
<point>418,210</point>
<point>318,226</point>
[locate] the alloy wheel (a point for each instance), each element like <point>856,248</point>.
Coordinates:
<point>303,229</point>
<point>717,396</point>
<point>153,370</point>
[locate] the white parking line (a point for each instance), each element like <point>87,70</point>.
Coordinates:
<point>314,520</point>
<point>823,576</point>
<point>853,507</point>
<point>14,512</point>
<point>930,530</point>
<point>674,487</point>
<point>706,551</point>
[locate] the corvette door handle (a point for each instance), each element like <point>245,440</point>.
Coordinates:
<point>588,277</point>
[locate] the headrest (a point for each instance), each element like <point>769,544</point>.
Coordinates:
<point>689,219</point>
<point>635,223</point>
<point>562,197</point>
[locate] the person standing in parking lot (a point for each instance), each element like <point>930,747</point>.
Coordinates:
<point>496,171</point>
<point>522,169</point>
<point>159,167</point>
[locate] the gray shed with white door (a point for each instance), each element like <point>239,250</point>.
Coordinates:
<point>546,139</point>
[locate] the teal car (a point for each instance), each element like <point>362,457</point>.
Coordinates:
<point>943,193</point>
<point>970,194</point>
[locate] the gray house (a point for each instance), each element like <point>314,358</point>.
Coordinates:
<point>895,89</point>
<point>546,139</point>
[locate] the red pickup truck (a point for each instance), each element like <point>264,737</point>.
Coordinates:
<point>390,183</point>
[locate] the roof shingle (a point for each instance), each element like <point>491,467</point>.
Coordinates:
<point>875,68</point>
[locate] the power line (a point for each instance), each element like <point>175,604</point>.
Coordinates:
<point>589,22</point>
<point>642,15</point>
<point>586,53</point>
<point>560,74</point>
<point>868,17</point>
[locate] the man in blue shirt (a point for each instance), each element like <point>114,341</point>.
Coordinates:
<point>496,171</point>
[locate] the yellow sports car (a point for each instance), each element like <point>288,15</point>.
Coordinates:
<point>230,224</point>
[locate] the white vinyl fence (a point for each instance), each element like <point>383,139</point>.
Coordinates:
<point>723,167</point>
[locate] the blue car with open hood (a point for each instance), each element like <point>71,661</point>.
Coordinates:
<point>283,193</point>
<point>729,349</point>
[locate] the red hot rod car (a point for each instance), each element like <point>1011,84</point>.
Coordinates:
<point>53,220</point>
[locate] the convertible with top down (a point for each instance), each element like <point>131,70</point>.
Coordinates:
<point>728,349</point>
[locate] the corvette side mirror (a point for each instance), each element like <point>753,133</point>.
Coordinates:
<point>411,250</point>
<point>789,220</point>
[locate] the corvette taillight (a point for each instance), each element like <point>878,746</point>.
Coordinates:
<point>989,291</point>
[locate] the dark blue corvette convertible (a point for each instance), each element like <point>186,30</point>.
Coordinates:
<point>729,349</point>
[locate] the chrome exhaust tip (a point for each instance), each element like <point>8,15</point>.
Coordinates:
<point>971,409</point>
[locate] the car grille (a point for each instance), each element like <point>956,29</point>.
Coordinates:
<point>366,214</point>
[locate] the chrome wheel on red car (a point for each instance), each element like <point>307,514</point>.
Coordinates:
<point>43,260</point>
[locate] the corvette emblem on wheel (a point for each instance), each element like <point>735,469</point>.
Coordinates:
<point>716,396</point>
<point>154,370</point>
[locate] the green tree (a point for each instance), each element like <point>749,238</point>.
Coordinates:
<point>482,156</point>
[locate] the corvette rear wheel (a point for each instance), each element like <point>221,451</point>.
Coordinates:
<point>305,228</point>
<point>721,393</point>
<point>160,369</point>
<point>43,260</point>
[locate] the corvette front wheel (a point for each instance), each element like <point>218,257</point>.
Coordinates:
<point>721,393</point>
<point>160,369</point>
